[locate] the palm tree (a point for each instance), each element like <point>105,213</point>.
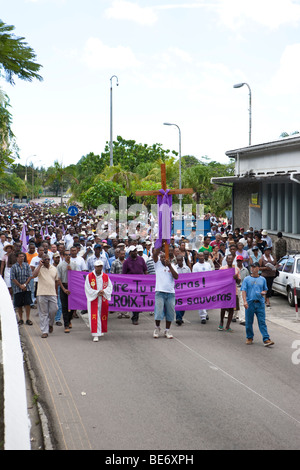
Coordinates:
<point>117,174</point>
<point>61,175</point>
<point>17,59</point>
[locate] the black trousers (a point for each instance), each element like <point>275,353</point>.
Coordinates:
<point>67,314</point>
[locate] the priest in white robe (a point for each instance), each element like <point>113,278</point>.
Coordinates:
<point>98,290</point>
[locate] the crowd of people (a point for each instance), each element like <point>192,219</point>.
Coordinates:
<point>39,245</point>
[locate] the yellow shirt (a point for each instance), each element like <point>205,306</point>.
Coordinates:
<point>46,280</point>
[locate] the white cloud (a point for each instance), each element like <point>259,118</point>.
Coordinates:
<point>123,10</point>
<point>175,6</point>
<point>181,54</point>
<point>235,14</point>
<point>286,79</point>
<point>98,56</point>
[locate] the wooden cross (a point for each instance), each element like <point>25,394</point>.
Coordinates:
<point>157,193</point>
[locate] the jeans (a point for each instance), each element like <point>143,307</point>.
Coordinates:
<point>257,308</point>
<point>32,289</point>
<point>179,315</point>
<point>164,306</point>
<point>59,311</point>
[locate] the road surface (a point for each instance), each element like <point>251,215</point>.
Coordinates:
<point>204,389</point>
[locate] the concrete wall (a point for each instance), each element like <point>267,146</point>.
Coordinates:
<point>242,199</point>
<point>271,161</point>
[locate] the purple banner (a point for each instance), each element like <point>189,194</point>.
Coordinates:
<point>195,291</point>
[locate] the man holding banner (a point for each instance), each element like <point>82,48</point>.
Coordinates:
<point>98,290</point>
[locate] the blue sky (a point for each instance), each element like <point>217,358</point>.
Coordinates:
<point>176,61</point>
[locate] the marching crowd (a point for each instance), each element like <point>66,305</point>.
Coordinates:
<point>39,245</point>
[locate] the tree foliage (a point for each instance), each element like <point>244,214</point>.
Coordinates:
<point>102,192</point>
<point>17,59</point>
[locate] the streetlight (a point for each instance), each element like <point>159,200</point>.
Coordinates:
<point>180,195</point>
<point>32,184</point>
<point>111,132</point>
<point>239,85</point>
<point>30,156</point>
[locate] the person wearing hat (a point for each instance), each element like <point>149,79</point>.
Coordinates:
<point>148,250</point>
<point>254,288</point>
<point>99,254</point>
<point>266,238</point>
<point>268,270</point>
<point>98,290</point>
<point>140,251</point>
<point>255,255</point>
<point>134,264</point>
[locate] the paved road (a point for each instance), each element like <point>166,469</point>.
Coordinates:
<point>205,389</point>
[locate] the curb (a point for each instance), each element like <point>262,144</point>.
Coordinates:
<point>46,436</point>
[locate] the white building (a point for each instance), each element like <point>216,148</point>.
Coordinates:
<point>266,188</point>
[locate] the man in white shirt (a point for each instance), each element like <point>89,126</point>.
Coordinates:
<point>181,269</point>
<point>77,262</point>
<point>165,273</point>
<point>69,238</point>
<point>140,251</point>
<point>199,267</point>
<point>266,238</point>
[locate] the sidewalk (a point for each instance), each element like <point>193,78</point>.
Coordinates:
<point>282,314</point>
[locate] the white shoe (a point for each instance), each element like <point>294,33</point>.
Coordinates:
<point>95,339</point>
<point>156,333</point>
<point>168,334</point>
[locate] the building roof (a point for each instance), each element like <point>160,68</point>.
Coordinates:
<point>286,142</point>
<point>273,162</point>
<point>271,178</point>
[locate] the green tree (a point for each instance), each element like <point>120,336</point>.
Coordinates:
<point>199,177</point>
<point>118,175</point>
<point>130,155</point>
<point>8,148</point>
<point>102,192</point>
<point>17,59</point>
<point>11,185</point>
<point>60,176</point>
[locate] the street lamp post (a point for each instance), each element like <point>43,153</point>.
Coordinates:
<point>30,156</point>
<point>180,195</point>
<point>32,183</point>
<point>111,121</point>
<point>239,85</point>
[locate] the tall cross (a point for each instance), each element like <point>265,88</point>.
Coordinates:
<point>157,193</point>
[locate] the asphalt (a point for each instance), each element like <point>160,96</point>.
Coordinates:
<point>106,395</point>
